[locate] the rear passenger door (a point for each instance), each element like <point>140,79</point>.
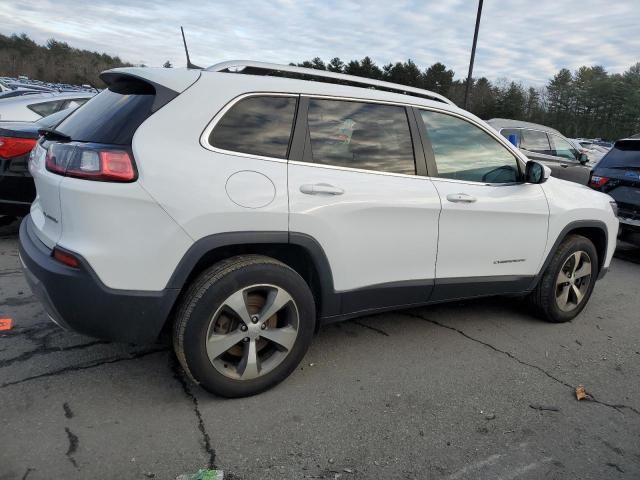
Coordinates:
<point>355,187</point>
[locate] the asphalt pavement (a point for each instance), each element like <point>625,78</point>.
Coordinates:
<point>471,390</point>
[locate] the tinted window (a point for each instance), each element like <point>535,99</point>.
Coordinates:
<point>258,126</point>
<point>46,108</point>
<point>511,134</point>
<point>465,152</point>
<point>624,155</point>
<point>535,141</point>
<point>113,115</point>
<point>562,148</point>
<point>361,135</point>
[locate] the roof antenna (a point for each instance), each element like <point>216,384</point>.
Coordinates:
<point>186,50</point>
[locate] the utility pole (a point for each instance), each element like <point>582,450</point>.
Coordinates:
<point>473,56</point>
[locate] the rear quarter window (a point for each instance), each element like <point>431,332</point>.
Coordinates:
<point>46,108</point>
<point>259,125</point>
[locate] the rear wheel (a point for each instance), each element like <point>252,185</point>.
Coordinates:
<point>244,325</point>
<point>567,283</point>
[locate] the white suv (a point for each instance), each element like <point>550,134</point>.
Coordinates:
<point>245,205</point>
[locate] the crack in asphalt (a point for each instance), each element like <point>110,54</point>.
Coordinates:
<point>614,465</point>
<point>10,273</point>
<point>616,406</point>
<point>85,366</point>
<point>73,446</point>
<point>179,375</point>
<point>375,329</point>
<point>44,350</point>
<point>26,474</point>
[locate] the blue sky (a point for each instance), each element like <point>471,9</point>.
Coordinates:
<point>522,40</point>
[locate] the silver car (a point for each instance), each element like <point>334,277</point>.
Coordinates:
<point>547,146</point>
<point>29,108</point>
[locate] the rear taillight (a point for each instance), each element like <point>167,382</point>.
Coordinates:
<point>598,181</point>
<point>11,147</point>
<point>90,162</point>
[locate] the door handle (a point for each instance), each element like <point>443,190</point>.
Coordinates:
<point>320,189</point>
<point>460,198</point>
<point>564,165</point>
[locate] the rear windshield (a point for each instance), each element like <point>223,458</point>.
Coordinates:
<point>625,154</point>
<point>113,115</point>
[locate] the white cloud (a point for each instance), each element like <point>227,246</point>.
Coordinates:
<point>520,40</point>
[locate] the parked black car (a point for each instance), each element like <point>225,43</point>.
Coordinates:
<point>547,146</point>
<point>17,139</point>
<point>618,174</point>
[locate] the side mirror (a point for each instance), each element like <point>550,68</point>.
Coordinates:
<point>583,158</point>
<point>536,172</point>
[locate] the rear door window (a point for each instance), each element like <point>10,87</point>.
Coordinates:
<point>259,125</point>
<point>361,135</point>
<point>535,141</point>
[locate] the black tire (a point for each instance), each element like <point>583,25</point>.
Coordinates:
<point>543,297</point>
<point>206,295</point>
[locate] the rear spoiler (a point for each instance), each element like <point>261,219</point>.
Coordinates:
<point>167,83</point>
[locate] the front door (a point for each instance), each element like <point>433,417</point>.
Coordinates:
<point>493,227</point>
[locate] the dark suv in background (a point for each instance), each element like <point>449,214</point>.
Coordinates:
<point>547,146</point>
<point>618,174</point>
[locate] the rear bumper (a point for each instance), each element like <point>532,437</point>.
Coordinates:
<point>76,298</point>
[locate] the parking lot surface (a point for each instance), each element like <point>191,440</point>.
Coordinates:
<point>476,389</point>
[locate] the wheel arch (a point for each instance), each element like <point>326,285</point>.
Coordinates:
<point>299,251</point>
<point>594,230</point>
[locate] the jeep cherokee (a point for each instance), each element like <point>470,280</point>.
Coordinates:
<point>244,205</point>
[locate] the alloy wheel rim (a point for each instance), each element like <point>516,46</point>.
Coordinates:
<point>252,331</point>
<point>573,281</point>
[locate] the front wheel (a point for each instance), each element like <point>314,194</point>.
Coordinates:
<point>244,325</point>
<point>567,283</point>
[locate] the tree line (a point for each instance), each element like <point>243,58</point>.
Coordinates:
<point>53,62</point>
<point>589,102</point>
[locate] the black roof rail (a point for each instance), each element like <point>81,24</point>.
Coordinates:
<point>274,69</point>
